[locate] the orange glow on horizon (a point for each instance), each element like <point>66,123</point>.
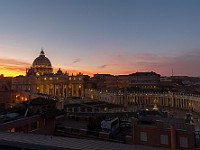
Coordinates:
<point>11,73</point>
<point>14,73</point>
<point>74,71</point>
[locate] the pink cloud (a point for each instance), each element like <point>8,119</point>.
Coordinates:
<point>122,62</point>
<point>10,61</point>
<point>185,63</point>
<point>12,66</point>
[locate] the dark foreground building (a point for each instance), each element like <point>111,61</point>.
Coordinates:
<point>171,133</point>
<point>34,116</point>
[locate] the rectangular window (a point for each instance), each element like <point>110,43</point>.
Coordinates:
<point>164,139</point>
<point>143,136</point>
<point>184,142</point>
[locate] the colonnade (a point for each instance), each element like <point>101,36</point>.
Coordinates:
<point>169,99</point>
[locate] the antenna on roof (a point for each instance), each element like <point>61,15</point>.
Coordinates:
<point>172,72</point>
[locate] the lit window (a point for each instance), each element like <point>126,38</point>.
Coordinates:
<point>56,78</point>
<point>45,78</point>
<point>70,78</point>
<point>79,78</point>
<point>50,78</point>
<point>74,78</point>
<point>37,74</point>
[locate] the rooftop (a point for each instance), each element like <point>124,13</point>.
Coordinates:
<point>41,101</point>
<point>36,142</point>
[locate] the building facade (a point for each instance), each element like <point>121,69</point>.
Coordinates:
<point>6,94</point>
<point>145,81</point>
<point>40,79</point>
<point>168,133</point>
<point>139,81</point>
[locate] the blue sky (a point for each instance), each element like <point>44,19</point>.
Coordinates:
<point>102,36</point>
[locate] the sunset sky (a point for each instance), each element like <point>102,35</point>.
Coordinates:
<point>101,36</point>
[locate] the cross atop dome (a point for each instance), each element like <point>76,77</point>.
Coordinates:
<point>42,52</point>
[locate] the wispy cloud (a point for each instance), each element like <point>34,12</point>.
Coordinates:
<point>76,60</point>
<point>9,61</point>
<point>13,67</point>
<point>185,63</point>
<point>108,65</point>
<point>103,66</point>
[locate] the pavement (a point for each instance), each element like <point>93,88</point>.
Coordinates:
<point>47,142</point>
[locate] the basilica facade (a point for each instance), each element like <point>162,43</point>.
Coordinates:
<point>40,79</point>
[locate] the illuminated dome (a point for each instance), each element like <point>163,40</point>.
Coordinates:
<point>42,65</point>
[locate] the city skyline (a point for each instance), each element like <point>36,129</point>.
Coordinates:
<point>114,37</point>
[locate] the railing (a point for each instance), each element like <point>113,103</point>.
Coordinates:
<point>76,131</point>
<point>93,133</point>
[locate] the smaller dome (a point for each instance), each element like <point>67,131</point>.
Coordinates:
<point>59,72</point>
<point>30,71</point>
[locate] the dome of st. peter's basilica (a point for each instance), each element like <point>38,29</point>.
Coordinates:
<point>42,65</point>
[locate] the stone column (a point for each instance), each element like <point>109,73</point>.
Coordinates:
<point>59,90</point>
<point>63,90</point>
<point>77,89</point>
<point>54,90</point>
<point>42,88</point>
<point>48,88</point>
<point>72,88</point>
<point>67,87</point>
